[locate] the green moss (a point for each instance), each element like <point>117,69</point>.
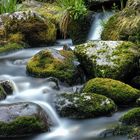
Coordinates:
<point>10,47</point>
<point>123,129</point>
<point>120,93</point>
<point>124,25</point>
<point>84,105</point>
<point>35,30</point>
<point>135,134</point>
<point>116,60</point>
<point>22,126</point>
<point>132,117</point>
<point>44,64</point>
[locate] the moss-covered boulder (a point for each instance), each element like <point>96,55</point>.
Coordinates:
<point>27,26</point>
<point>22,119</point>
<point>124,25</point>
<point>52,63</point>
<point>135,134</point>
<point>84,105</point>
<point>77,29</point>
<point>110,59</point>
<point>120,93</point>
<point>132,117</point>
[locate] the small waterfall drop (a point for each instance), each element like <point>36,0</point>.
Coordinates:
<point>97,25</point>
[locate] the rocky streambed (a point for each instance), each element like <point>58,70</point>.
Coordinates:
<point>86,91</point>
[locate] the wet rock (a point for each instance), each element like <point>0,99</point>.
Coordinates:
<point>27,26</point>
<point>124,25</point>
<point>132,117</point>
<point>84,105</point>
<point>135,134</point>
<point>7,86</point>
<point>120,93</point>
<point>22,119</point>
<point>53,83</point>
<point>109,59</point>
<point>58,64</point>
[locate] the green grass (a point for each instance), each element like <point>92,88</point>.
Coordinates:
<point>10,47</point>
<point>72,10</point>
<point>8,6</point>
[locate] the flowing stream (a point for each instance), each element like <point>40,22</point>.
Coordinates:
<point>40,91</point>
<point>98,21</point>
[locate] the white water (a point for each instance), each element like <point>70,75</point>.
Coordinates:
<point>97,25</point>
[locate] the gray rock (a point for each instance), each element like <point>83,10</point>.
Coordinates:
<point>22,119</point>
<point>109,59</point>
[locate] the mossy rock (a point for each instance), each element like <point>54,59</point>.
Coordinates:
<point>29,27</point>
<point>124,25</point>
<point>22,126</point>
<point>132,117</point>
<point>120,93</point>
<point>52,63</point>
<point>109,59</point>
<point>11,46</point>
<point>77,29</point>
<point>84,105</point>
<point>135,134</point>
<point>22,119</point>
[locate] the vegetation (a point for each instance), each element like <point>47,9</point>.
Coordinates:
<point>51,63</point>
<point>72,10</point>
<point>8,6</point>
<point>120,93</point>
<point>132,117</point>
<point>23,125</point>
<point>10,47</point>
<point>84,105</point>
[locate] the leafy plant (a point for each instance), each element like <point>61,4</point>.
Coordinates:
<point>8,6</point>
<point>72,10</point>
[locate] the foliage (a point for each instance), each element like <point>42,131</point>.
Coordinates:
<point>73,10</point>
<point>8,6</point>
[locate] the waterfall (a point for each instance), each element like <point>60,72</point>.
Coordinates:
<point>98,19</point>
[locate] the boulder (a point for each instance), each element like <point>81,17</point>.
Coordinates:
<point>120,93</point>
<point>135,134</point>
<point>84,105</point>
<point>132,117</point>
<point>6,88</point>
<point>22,119</point>
<point>27,26</point>
<point>110,59</point>
<point>124,25</point>
<point>59,64</point>
<point>77,29</point>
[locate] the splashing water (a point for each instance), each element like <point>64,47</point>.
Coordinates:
<point>97,25</point>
